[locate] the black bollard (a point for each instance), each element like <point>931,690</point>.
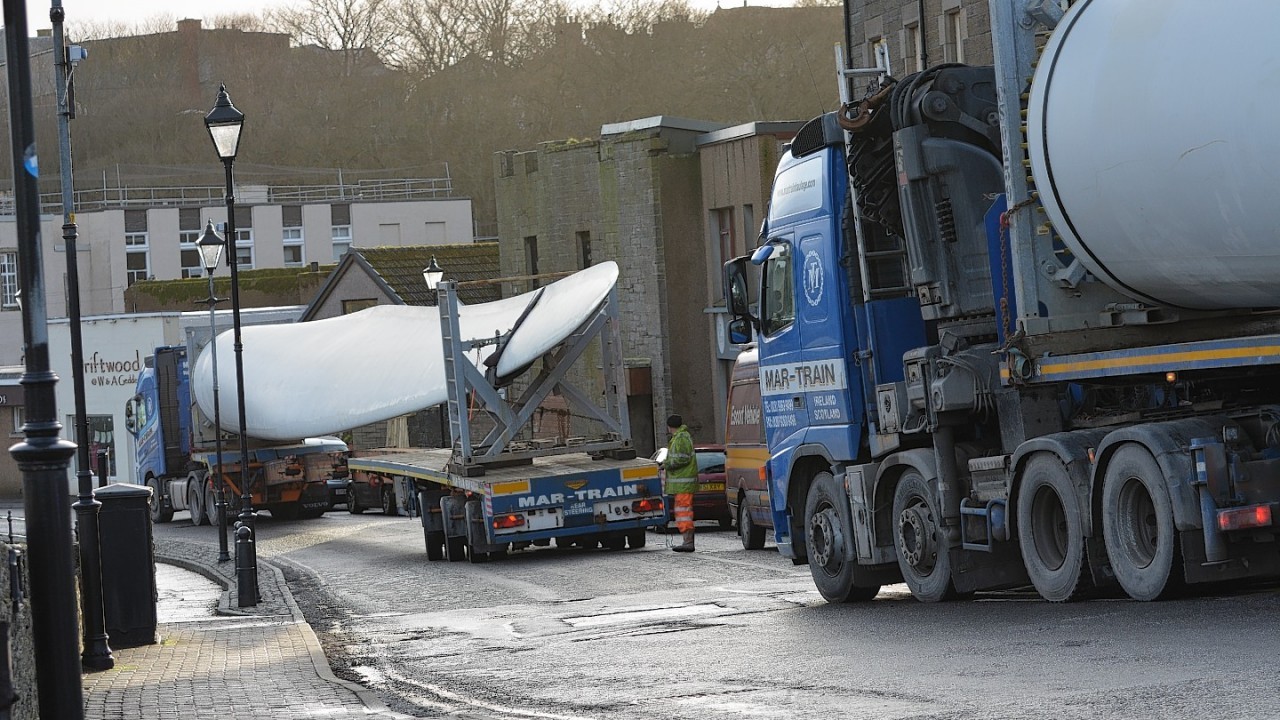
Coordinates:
<point>104,467</point>
<point>246,567</point>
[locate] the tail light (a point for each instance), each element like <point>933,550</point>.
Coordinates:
<point>647,505</point>
<point>506,522</point>
<point>1254,516</point>
<point>764,473</point>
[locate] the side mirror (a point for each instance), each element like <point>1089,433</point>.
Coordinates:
<point>740,331</point>
<point>736,290</point>
<point>131,415</point>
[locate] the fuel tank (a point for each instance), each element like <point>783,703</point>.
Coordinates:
<point>1155,146</point>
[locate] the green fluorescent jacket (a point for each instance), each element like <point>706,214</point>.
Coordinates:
<point>681,465</point>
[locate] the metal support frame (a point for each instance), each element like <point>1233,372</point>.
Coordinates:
<point>1039,277</point>
<point>463,380</point>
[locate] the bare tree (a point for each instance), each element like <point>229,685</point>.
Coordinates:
<point>356,28</point>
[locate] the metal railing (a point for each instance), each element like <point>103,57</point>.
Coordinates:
<point>139,197</point>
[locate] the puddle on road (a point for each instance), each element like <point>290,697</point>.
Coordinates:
<point>371,677</point>
<point>660,614</point>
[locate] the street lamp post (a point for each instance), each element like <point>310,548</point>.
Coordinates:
<point>224,123</point>
<point>96,653</point>
<point>42,456</point>
<point>210,246</point>
<point>431,275</point>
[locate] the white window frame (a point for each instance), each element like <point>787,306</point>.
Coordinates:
<point>953,36</point>
<point>291,237</point>
<point>244,249</point>
<point>187,240</point>
<point>137,243</point>
<point>9,280</point>
<point>341,236</point>
<point>914,33</point>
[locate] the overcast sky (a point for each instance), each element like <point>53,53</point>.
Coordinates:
<point>133,11</point>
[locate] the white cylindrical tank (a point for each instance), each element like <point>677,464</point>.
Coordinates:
<point>1154,136</point>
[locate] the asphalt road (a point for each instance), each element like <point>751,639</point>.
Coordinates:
<point>729,633</point>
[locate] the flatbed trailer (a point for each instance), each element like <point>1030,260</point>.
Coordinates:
<point>511,490</point>
<point>577,499</point>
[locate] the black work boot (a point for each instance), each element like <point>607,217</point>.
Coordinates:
<point>687,545</point>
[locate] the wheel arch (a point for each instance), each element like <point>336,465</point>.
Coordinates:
<point>806,462</point>
<point>891,470</point>
<point>1072,449</point>
<point>1168,443</point>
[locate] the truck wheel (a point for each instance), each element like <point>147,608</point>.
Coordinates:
<point>726,521</point>
<point>389,502</point>
<point>1051,530</point>
<point>828,534</point>
<point>636,539</point>
<point>161,512</point>
<point>615,541</point>
<point>921,547</point>
<point>210,506</point>
<point>455,548</point>
<point>751,535</point>
<point>435,544</point>
<point>195,504</point>
<point>1137,523</point>
<point>353,501</point>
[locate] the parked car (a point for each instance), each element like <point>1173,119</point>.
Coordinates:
<point>746,455</point>
<point>337,491</point>
<point>367,490</point>
<point>709,501</point>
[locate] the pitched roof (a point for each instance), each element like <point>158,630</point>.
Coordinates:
<point>398,272</point>
<point>401,269</point>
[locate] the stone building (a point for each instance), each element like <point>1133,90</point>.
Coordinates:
<point>670,200</point>
<point>915,34</point>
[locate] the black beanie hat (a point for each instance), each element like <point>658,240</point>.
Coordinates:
<point>675,421</point>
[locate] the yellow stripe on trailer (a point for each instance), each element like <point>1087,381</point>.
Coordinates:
<point>640,473</point>
<point>511,487</point>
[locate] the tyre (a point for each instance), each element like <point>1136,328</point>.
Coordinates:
<point>828,534</point>
<point>918,540</point>
<point>435,544</point>
<point>353,500</point>
<point>1051,530</point>
<point>615,541</point>
<point>211,506</point>
<point>161,512</point>
<point>726,521</point>
<point>389,501</point>
<point>751,535</point>
<point>195,504</point>
<point>636,539</point>
<point>455,548</point>
<point>1137,524</point>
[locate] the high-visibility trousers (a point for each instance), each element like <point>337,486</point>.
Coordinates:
<point>684,512</point>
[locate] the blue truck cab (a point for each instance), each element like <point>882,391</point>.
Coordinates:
<point>162,443</point>
<point>827,335</point>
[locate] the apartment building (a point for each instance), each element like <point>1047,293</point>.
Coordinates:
<point>127,235</point>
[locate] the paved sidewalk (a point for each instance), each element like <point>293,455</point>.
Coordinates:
<point>242,663</point>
